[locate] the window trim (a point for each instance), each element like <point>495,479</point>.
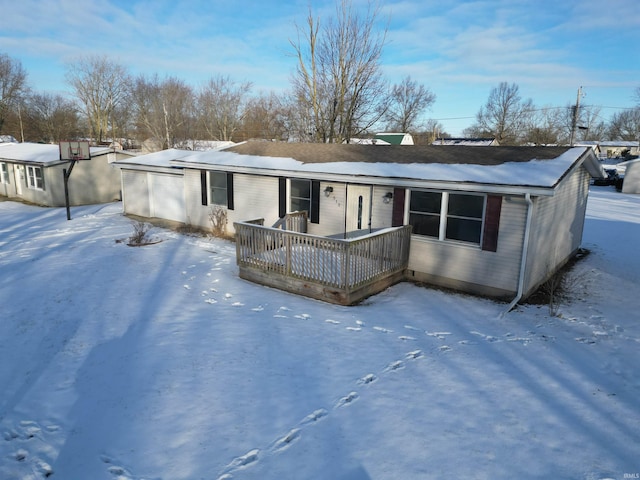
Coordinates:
<point>208,188</point>
<point>5,179</point>
<point>444,216</point>
<point>32,177</point>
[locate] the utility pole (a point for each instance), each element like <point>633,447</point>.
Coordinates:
<point>574,119</point>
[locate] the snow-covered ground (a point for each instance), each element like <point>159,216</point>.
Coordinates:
<point>160,363</point>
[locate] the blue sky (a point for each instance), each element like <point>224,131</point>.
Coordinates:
<point>460,50</point>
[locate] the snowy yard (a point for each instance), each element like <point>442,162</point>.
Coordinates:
<point>120,363</point>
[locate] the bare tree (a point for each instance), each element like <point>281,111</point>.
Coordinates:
<point>221,105</point>
<point>338,79</point>
<point>52,118</point>
<point>163,110</point>
<point>13,84</point>
<point>265,118</point>
<point>101,86</point>
<point>504,116</point>
<point>409,100</point>
<point>625,125</point>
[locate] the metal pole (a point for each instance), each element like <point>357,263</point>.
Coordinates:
<point>66,176</point>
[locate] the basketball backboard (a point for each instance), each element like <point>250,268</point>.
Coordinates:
<point>74,150</point>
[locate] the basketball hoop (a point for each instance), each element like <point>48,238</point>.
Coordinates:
<point>72,151</point>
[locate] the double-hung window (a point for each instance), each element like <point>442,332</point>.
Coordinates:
<point>35,178</point>
<point>218,188</point>
<point>447,216</point>
<point>4,173</point>
<point>300,195</point>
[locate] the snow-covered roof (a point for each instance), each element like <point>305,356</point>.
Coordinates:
<point>162,158</point>
<point>39,153</point>
<point>524,167</point>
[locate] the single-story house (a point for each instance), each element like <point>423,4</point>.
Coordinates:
<point>631,182</point>
<point>467,142</point>
<point>619,148</point>
<point>495,222</point>
<point>33,172</point>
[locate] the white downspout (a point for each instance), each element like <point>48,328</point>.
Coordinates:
<point>523,261</point>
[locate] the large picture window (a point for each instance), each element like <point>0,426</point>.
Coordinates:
<point>4,173</point>
<point>35,179</point>
<point>447,216</point>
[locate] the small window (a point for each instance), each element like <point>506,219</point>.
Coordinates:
<point>35,178</point>
<point>218,187</point>
<point>300,195</point>
<point>4,173</point>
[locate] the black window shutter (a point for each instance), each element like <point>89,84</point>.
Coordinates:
<point>203,187</point>
<point>282,197</point>
<point>397,217</point>
<point>492,223</point>
<point>230,191</point>
<point>314,214</point>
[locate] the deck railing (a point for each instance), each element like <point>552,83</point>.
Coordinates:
<point>341,264</point>
<point>293,221</point>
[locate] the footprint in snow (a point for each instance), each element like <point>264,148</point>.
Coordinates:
<point>348,400</point>
<point>334,322</point>
<point>286,441</point>
<point>367,379</point>
<point>314,417</point>
<point>237,304</point>
<point>259,308</point>
<point>411,327</point>
<point>228,295</point>
<point>394,366</point>
<point>413,355</point>
<point>211,301</point>
<point>303,316</point>
<point>438,335</point>
<point>488,338</point>
<point>383,330</point>
<point>406,337</point>
<point>354,329</point>
<point>243,461</point>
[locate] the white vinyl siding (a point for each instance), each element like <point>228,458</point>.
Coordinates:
<point>557,230</point>
<point>166,197</point>
<point>254,197</point>
<point>461,265</point>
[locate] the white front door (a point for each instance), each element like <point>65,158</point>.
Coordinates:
<point>358,221</point>
<point>18,171</point>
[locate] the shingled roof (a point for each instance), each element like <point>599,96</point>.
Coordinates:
<point>404,154</point>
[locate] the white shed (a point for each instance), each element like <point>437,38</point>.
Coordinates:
<point>631,182</point>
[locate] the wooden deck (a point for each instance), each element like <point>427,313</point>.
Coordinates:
<point>341,271</point>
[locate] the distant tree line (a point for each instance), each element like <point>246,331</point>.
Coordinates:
<point>337,94</point>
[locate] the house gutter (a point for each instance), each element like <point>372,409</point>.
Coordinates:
<point>523,261</point>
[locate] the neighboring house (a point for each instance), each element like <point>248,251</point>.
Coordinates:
<point>393,139</point>
<point>619,148</point>
<point>631,182</point>
<point>496,222</point>
<point>467,142</point>
<point>33,172</point>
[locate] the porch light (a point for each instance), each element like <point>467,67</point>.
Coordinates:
<point>328,191</point>
<point>387,197</point>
